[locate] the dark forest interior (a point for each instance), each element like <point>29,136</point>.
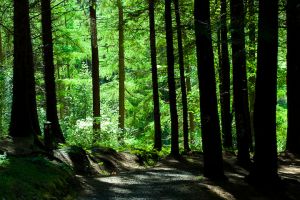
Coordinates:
<point>128,99</point>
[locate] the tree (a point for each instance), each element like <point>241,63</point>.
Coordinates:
<point>251,58</point>
<point>182,79</point>
<point>265,160</point>
<point>224,74</point>
<point>293,72</point>
<point>51,102</point>
<point>1,48</point>
<point>156,110</point>
<point>121,67</point>
<point>95,68</point>
<point>211,137</point>
<point>171,79</point>
<point>24,118</point>
<point>240,86</point>
<point>1,81</point>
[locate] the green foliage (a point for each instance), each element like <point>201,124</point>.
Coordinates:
<point>34,178</point>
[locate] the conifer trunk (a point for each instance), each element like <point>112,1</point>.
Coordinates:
<point>121,67</point>
<point>156,110</point>
<point>24,118</point>
<point>95,69</point>
<point>224,74</point>
<point>240,86</point>
<point>293,74</point>
<point>51,102</point>
<point>182,79</point>
<point>171,79</point>
<point>211,136</point>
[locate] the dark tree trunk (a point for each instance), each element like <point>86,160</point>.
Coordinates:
<point>293,74</point>
<point>265,159</point>
<point>252,59</point>
<point>24,118</point>
<point>224,73</point>
<point>171,79</point>
<point>240,87</point>
<point>182,79</point>
<point>156,110</point>
<point>1,82</point>
<point>211,137</point>
<point>189,90</point>
<point>121,68</point>
<point>51,109</point>
<point>95,70</point>
<point>1,47</point>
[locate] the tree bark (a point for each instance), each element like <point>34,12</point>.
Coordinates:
<point>265,159</point>
<point>51,102</point>
<point>211,137</point>
<point>24,119</point>
<point>156,109</point>
<point>182,79</point>
<point>224,74</point>
<point>95,69</point>
<point>252,59</point>
<point>121,68</point>
<point>293,74</point>
<point>171,79</point>
<point>240,86</point>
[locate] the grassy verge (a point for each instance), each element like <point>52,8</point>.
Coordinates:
<point>35,178</point>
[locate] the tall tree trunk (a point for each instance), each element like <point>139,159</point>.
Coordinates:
<point>293,74</point>
<point>224,74</point>
<point>252,59</point>
<point>156,110</point>
<point>51,103</point>
<point>171,79</point>
<point>95,69</point>
<point>182,79</point>
<point>191,114</point>
<point>1,47</point>
<point>1,81</point>
<point>240,87</point>
<point>24,119</point>
<point>211,136</point>
<point>121,68</point>
<point>265,159</point>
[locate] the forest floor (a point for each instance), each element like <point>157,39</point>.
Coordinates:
<point>173,179</point>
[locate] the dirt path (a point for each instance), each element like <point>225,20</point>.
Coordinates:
<point>161,182</point>
<point>175,180</point>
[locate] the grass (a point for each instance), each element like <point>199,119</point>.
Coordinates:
<point>35,178</point>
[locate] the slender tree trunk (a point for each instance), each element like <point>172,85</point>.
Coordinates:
<point>189,90</point>
<point>95,70</point>
<point>121,68</point>
<point>1,82</point>
<point>265,159</point>
<point>211,136</point>
<point>171,79</point>
<point>240,87</point>
<point>156,110</point>
<point>1,47</point>
<point>24,119</point>
<point>182,79</point>
<point>293,74</point>
<point>51,103</point>
<point>224,74</point>
<point>252,59</point>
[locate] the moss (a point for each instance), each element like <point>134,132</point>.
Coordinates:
<point>35,178</point>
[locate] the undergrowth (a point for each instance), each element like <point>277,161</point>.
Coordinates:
<point>35,178</point>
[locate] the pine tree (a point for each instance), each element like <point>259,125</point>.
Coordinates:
<point>51,102</point>
<point>211,136</point>
<point>156,110</point>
